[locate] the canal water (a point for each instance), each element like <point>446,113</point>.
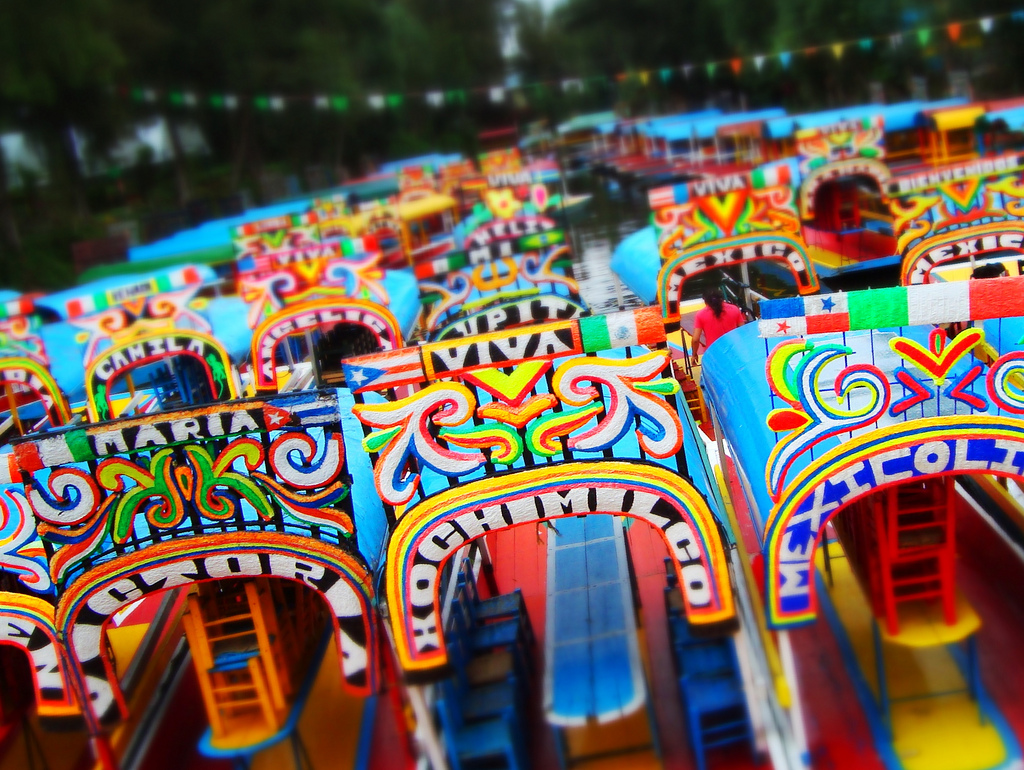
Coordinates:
<point>607,222</point>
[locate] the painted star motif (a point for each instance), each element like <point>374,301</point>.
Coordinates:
<point>827,304</point>
<point>783,327</point>
<point>276,419</point>
<point>358,377</point>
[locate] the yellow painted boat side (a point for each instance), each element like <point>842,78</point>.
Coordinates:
<point>932,733</point>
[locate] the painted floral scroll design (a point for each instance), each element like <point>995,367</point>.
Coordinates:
<point>187,489</point>
<point>941,369</point>
<point>593,405</point>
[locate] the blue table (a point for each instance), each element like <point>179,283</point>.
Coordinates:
<point>593,669</point>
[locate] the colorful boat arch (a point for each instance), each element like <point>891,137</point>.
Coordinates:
<point>960,244</point>
<point>430,533</point>
<point>523,311</point>
<point>37,378</point>
<point>341,578</point>
<point>678,266</point>
<point>27,622</point>
<point>918,449</point>
<point>148,348</point>
<point>830,172</point>
<point>845,148</point>
<point>506,229</point>
<point>321,314</point>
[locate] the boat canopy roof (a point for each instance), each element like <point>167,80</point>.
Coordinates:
<point>86,294</point>
<point>434,159</point>
<point>637,263</point>
<point>652,126</point>
<point>1011,119</point>
<point>897,117</point>
<point>706,128</point>
<point>589,122</point>
<point>427,206</point>
<point>957,118</point>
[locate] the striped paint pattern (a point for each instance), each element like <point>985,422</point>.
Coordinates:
<point>917,305</point>
<point>169,281</point>
<point>16,307</point>
<point>591,334</point>
<point>758,179</point>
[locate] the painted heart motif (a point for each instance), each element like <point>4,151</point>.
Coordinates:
<point>510,388</point>
<point>518,416</point>
<point>942,356</point>
<point>310,270</point>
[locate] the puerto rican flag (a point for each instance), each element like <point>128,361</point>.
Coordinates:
<point>384,370</point>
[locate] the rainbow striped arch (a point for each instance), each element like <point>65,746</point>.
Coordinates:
<point>960,244</point>
<point>952,444</point>
<point>319,314</point>
<point>343,580</point>
<point>430,533</point>
<point>869,167</point>
<point>27,622</point>
<point>37,378</point>
<point>510,315</point>
<point>773,246</point>
<point>122,358</point>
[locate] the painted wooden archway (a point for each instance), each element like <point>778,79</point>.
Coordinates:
<point>340,578</point>
<point>128,355</point>
<point>27,622</point>
<point>831,172</point>
<point>893,455</point>
<point>786,249</point>
<point>429,534</point>
<point>320,314</point>
<point>34,376</point>
<point>959,244</point>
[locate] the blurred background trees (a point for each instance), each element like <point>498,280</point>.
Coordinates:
<point>244,90</point>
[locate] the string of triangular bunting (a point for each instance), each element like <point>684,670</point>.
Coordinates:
<point>497,94</point>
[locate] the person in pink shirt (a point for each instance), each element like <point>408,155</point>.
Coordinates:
<point>714,320</point>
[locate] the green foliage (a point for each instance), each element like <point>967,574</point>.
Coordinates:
<point>89,65</point>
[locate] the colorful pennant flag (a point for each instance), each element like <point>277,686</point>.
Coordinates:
<point>497,94</point>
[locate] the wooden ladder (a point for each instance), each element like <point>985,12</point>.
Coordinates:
<point>232,632</point>
<point>913,527</point>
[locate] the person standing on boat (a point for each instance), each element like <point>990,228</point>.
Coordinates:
<point>715,319</point>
